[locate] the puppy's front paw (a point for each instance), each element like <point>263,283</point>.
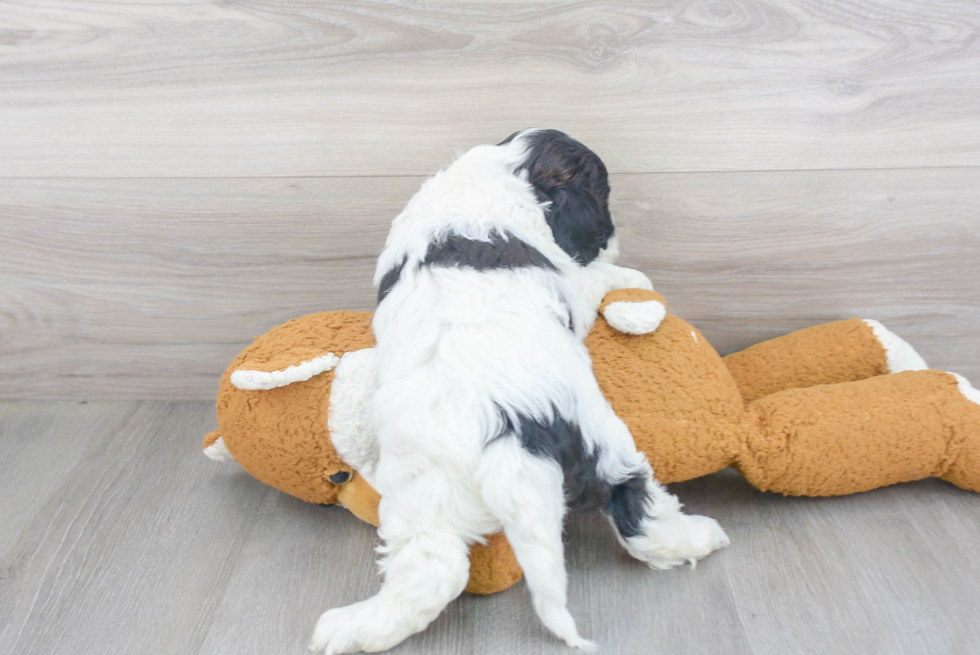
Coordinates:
<point>635,317</point>
<point>679,539</point>
<point>634,279</point>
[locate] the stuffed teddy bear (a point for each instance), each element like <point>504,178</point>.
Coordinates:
<point>829,410</point>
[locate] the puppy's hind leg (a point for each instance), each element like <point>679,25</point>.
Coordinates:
<point>525,492</point>
<point>651,526</point>
<point>648,519</point>
<point>426,566</point>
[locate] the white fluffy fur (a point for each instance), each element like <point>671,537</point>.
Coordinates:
<point>453,346</point>
<point>900,354</point>
<point>250,380</point>
<point>669,537</point>
<point>349,416</point>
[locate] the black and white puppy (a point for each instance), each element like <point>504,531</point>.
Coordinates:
<point>487,413</point>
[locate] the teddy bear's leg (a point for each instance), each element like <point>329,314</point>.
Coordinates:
<point>647,518</point>
<point>964,469</point>
<point>493,566</point>
<point>843,351</point>
<point>844,438</point>
<point>652,528</point>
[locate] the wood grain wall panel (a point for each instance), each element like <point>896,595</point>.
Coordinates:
<point>146,288</point>
<point>270,88</point>
<point>143,287</point>
<point>749,256</point>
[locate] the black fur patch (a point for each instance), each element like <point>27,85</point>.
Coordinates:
<point>561,440</point>
<point>501,251</point>
<point>575,180</point>
<point>389,280</point>
<point>627,505</point>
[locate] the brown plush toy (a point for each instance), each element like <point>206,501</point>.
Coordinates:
<point>833,409</point>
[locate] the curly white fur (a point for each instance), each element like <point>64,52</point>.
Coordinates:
<point>349,416</point>
<point>458,351</point>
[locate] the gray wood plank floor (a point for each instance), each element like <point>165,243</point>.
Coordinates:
<point>118,536</point>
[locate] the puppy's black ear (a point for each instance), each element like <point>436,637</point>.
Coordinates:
<point>579,223</point>
<point>510,138</point>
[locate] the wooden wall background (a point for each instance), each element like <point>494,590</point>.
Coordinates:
<point>179,176</point>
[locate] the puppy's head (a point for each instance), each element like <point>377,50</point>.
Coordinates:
<point>572,180</point>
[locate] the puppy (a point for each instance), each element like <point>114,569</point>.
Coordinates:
<point>487,412</point>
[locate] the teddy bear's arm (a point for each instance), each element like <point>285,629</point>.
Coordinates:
<point>634,311</point>
<point>843,351</point>
<point>215,448</point>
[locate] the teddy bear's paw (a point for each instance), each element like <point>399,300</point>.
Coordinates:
<point>635,317</point>
<point>356,628</point>
<point>899,353</point>
<point>675,540</point>
<point>968,390</point>
<point>219,452</point>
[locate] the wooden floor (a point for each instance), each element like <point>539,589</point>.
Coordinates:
<point>119,536</point>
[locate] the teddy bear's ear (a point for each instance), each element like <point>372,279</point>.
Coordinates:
<point>264,377</point>
<point>301,349</point>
